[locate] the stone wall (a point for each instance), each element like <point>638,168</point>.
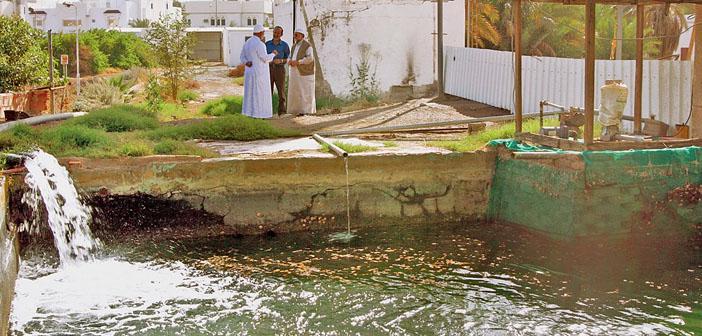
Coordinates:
<point>9,262</point>
<point>290,194</point>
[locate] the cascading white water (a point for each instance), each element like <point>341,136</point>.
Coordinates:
<point>68,217</point>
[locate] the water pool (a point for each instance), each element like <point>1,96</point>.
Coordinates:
<point>472,279</point>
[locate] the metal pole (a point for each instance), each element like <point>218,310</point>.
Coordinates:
<point>638,89</point>
<point>294,14</point>
<point>440,44</point>
<point>696,117</point>
<point>517,33</point>
<point>77,53</point>
<point>51,72</point>
<point>589,71</point>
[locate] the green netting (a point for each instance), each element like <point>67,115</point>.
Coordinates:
<point>517,146</point>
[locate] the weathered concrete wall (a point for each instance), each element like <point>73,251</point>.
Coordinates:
<point>609,194</point>
<point>9,262</point>
<point>400,36</point>
<point>257,196</point>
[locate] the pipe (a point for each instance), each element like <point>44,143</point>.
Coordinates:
<point>434,124</point>
<point>597,111</point>
<point>338,151</point>
<point>40,120</point>
<point>541,155</point>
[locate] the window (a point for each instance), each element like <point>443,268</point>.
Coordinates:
<point>254,22</point>
<point>107,4</point>
<point>71,23</point>
<point>212,22</point>
<point>248,21</point>
<point>224,22</point>
<point>166,6</point>
<point>152,6</point>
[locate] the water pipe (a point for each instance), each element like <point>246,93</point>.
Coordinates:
<point>338,151</point>
<point>435,124</point>
<point>40,119</point>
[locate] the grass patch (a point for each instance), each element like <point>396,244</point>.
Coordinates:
<point>187,96</point>
<point>503,131</point>
<point>348,148</point>
<point>170,112</point>
<point>136,149</point>
<point>120,118</point>
<point>228,105</point>
<point>233,127</point>
<point>390,144</point>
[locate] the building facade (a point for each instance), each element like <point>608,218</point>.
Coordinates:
<point>67,16</point>
<point>231,13</point>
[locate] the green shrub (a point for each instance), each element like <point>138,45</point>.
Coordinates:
<point>135,149</point>
<point>188,95</point>
<point>224,106</point>
<point>23,59</point>
<point>166,147</point>
<point>98,93</point>
<point>18,138</point>
<point>120,118</point>
<point>66,137</point>
<point>234,127</point>
<point>347,147</point>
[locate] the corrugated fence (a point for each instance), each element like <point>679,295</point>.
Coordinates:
<point>487,76</point>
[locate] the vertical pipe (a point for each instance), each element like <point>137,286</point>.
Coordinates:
<point>517,33</point>
<point>589,71</point>
<point>638,89</point>
<point>51,72</point>
<point>440,44</point>
<point>77,53</point>
<point>294,15</point>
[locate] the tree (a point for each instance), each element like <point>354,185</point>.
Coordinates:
<point>482,24</point>
<point>172,46</point>
<point>140,23</point>
<point>23,61</point>
<point>666,22</point>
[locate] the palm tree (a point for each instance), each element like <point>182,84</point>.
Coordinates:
<point>481,24</point>
<point>666,21</point>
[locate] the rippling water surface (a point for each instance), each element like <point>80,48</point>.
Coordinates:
<point>475,279</point>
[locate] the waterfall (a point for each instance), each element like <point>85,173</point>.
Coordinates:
<point>68,217</point>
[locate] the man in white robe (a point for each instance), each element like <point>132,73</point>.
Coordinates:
<point>301,100</point>
<point>257,78</point>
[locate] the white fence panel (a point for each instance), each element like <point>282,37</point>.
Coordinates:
<point>487,76</point>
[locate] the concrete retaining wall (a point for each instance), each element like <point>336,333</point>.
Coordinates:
<point>281,195</point>
<point>9,261</point>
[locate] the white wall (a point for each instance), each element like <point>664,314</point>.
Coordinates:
<point>235,13</point>
<point>7,8</point>
<point>91,13</point>
<point>399,32</point>
<point>487,76</point>
<point>235,39</point>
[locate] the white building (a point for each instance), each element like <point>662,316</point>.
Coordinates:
<point>228,13</point>
<point>62,16</point>
<point>398,37</point>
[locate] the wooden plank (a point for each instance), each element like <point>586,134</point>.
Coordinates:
<point>696,117</point>
<point>621,2</point>
<point>589,71</point>
<point>517,15</point>
<point>628,145</point>
<point>638,90</point>
<point>549,141</point>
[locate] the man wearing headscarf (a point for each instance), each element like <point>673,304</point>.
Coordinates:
<point>301,98</point>
<point>257,77</point>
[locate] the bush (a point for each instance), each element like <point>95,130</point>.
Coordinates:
<point>187,95</point>
<point>224,106</point>
<point>67,137</point>
<point>22,58</point>
<point>18,138</point>
<point>121,118</point>
<point>135,149</point>
<point>166,147</point>
<point>234,127</point>
<point>98,93</point>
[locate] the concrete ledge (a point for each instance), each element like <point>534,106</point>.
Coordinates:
<point>291,194</point>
